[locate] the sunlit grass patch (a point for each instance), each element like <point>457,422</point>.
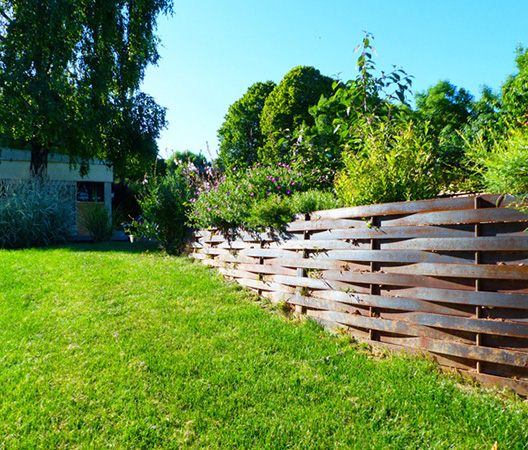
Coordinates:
<point>105,346</point>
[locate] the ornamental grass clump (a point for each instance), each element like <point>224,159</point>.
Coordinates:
<point>36,213</point>
<point>98,222</point>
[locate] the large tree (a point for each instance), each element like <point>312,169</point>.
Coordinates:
<point>515,91</point>
<point>70,72</point>
<point>449,110</point>
<point>447,107</point>
<point>287,107</point>
<point>240,135</point>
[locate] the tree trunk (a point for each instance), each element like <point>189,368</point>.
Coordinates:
<point>39,160</point>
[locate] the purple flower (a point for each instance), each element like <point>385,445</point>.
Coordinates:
<point>278,187</point>
<point>288,192</point>
<point>252,194</point>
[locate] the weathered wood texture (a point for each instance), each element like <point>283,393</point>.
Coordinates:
<point>448,277</point>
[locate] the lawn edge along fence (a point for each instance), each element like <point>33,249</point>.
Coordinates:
<point>448,277</point>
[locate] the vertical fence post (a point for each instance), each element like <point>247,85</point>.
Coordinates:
<point>301,272</point>
<point>261,262</point>
<point>374,288</point>
<point>478,258</point>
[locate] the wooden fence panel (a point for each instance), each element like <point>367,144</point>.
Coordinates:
<point>448,277</point>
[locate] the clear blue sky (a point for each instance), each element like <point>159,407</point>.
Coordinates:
<point>212,50</point>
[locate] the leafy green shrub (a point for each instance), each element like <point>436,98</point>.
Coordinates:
<point>273,212</point>
<point>502,167</point>
<point>164,202</point>
<point>313,200</point>
<point>396,162</point>
<point>98,222</point>
<point>36,213</point>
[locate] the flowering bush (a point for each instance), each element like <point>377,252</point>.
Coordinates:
<point>251,197</point>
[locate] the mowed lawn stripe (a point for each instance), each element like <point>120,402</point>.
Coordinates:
<point>119,346</point>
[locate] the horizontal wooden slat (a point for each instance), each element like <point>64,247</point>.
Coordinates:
<point>266,252</point>
<point>323,245</point>
<point>267,269</point>
<point>326,224</point>
<point>384,209</point>
<point>394,232</point>
<point>397,280</point>
<point>395,208</point>
<point>487,299</point>
<point>501,328</point>
<point>405,331</point>
<point>395,256</point>
<point>458,217</point>
<point>500,356</point>
<point>503,272</point>
<point>326,300</point>
<point>495,243</point>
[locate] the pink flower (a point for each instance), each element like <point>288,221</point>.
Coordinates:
<point>252,194</point>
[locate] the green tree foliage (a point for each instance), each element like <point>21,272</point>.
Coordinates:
<point>449,110</point>
<point>70,72</point>
<point>287,108</point>
<point>447,107</point>
<point>338,118</point>
<point>515,91</point>
<point>240,135</point>
<point>187,157</point>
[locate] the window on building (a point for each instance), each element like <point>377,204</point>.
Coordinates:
<point>89,191</point>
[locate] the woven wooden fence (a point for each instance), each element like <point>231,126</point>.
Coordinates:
<point>448,277</point>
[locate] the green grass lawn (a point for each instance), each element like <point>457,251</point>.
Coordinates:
<point>110,347</point>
